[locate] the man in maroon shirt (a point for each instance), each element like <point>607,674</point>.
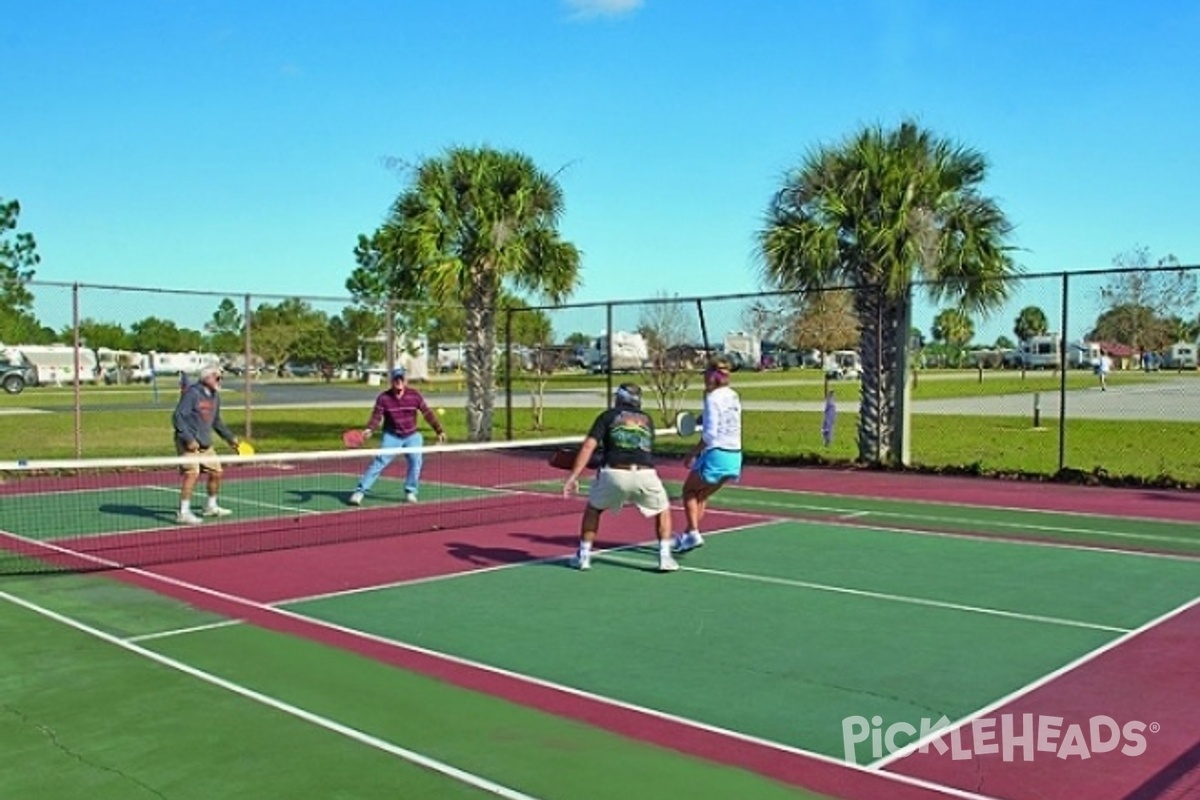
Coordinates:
<point>396,412</point>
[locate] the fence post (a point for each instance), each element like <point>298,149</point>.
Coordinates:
<point>508,393</point>
<point>78,364</point>
<point>247,366</point>
<point>1062,385</point>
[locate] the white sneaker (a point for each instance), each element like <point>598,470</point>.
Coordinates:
<point>216,511</point>
<point>410,497</point>
<point>356,499</point>
<point>187,518</point>
<point>581,561</point>
<point>666,563</point>
<point>682,542</point>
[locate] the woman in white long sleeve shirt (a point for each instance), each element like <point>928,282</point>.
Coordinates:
<point>717,458</point>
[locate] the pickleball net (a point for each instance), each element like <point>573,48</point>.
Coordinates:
<point>104,514</point>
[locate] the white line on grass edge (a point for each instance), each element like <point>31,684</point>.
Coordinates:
<point>279,705</point>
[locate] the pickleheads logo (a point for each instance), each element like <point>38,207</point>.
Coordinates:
<point>1011,736</point>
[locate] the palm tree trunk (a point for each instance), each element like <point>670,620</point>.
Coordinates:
<point>882,318</point>
<point>481,360</point>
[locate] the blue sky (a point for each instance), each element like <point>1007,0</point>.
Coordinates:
<point>242,146</point>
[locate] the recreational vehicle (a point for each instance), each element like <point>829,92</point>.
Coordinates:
<point>1182,355</point>
<point>630,353</point>
<point>743,350</point>
<point>1041,352</point>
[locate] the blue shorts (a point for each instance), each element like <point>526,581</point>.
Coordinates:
<point>714,466</point>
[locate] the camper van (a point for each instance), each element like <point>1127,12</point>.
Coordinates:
<point>630,353</point>
<point>1182,355</point>
<point>56,363</point>
<point>1040,352</point>
<point>743,350</point>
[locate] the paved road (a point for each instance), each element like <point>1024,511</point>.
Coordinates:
<point>1165,400</point>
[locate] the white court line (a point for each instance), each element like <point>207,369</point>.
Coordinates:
<point>1030,687</point>
<point>516,676</point>
<point>1020,526</point>
<point>146,637</point>
<point>235,500</point>
<point>891,598</point>
<point>964,506</point>
<point>481,570</point>
<point>315,719</point>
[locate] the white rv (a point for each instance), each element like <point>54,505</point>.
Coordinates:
<point>630,353</point>
<point>1041,352</point>
<point>743,350</point>
<point>55,363</point>
<point>1182,355</point>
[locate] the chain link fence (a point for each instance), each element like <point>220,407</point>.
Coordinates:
<point>1015,390</point>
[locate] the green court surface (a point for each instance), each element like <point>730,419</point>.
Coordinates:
<point>237,712</point>
<point>803,624</point>
<point>122,509</point>
<point>775,631</point>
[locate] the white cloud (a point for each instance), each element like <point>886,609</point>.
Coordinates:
<point>592,9</point>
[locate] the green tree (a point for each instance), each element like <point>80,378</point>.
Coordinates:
<point>18,257</point>
<point>163,336</point>
<point>878,212</point>
<point>1143,296</point>
<point>290,329</point>
<point>226,330</point>
<point>1029,323</point>
<point>1137,326</point>
<point>96,334</point>
<point>953,328</point>
<point>472,221</point>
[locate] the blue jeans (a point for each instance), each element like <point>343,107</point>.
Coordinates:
<point>412,479</point>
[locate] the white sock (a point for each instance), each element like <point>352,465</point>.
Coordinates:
<point>184,506</point>
<point>212,501</point>
<point>664,546</point>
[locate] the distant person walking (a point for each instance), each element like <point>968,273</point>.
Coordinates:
<point>197,417</point>
<point>395,411</point>
<point>1104,366</point>
<point>625,436</point>
<point>828,418</point>
<point>717,458</point>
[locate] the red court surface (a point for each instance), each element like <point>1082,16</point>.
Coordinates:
<point>1114,684</point>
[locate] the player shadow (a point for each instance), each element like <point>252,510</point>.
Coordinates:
<point>303,496</point>
<point>614,559</point>
<point>487,556</point>
<point>141,512</point>
<point>567,540</point>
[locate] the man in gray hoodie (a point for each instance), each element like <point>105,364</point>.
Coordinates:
<point>197,417</point>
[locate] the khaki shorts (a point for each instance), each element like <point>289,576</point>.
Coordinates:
<point>203,460</point>
<point>613,488</point>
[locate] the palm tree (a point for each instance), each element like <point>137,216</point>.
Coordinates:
<point>883,210</point>
<point>473,221</point>
<point>1030,322</point>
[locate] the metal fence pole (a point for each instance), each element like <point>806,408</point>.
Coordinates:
<point>1062,386</point>
<point>248,365</point>
<point>78,363</point>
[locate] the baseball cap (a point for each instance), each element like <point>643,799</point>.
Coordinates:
<point>398,372</point>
